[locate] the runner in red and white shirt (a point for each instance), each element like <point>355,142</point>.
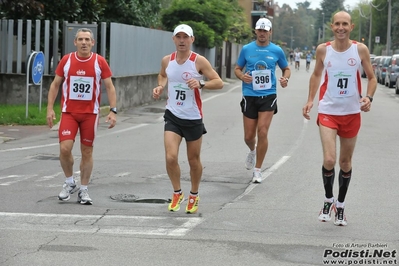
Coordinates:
<point>340,102</point>
<point>183,71</point>
<point>80,74</point>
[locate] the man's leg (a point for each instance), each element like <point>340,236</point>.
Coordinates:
<point>86,164</point>
<point>172,142</point>
<point>264,121</point>
<point>328,141</point>
<point>345,162</point>
<point>194,160</point>
<point>250,126</point>
<point>67,161</point>
<point>66,158</point>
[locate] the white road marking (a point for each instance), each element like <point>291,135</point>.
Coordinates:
<point>111,132</point>
<point>278,164</point>
<point>99,224</point>
<point>56,144</point>
<point>16,178</point>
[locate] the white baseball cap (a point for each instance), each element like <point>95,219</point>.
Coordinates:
<point>183,28</point>
<point>263,24</point>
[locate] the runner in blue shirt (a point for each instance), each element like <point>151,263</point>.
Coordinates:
<point>259,82</point>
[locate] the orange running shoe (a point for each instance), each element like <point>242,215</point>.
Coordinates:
<point>177,198</point>
<point>192,205</point>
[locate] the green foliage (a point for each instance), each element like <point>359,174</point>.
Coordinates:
<point>132,12</point>
<point>16,114</point>
<point>304,27</point>
<point>213,21</point>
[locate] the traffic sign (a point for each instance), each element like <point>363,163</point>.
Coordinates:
<point>37,68</point>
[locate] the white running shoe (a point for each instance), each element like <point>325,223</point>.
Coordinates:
<point>250,161</point>
<point>84,198</point>
<point>340,218</point>
<point>325,212</point>
<point>67,190</point>
<point>257,177</point>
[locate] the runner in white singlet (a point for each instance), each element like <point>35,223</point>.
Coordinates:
<point>340,102</point>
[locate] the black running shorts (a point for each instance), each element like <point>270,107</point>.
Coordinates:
<point>251,105</point>
<point>189,129</point>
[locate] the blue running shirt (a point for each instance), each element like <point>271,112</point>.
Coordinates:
<point>261,63</point>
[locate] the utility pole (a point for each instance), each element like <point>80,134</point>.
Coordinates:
<point>291,36</point>
<point>323,26</point>
<point>371,23</point>
<point>389,28</point>
<point>360,27</point>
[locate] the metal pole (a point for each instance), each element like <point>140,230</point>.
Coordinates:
<point>360,27</point>
<point>323,27</point>
<point>371,24</point>
<point>291,36</point>
<point>389,28</point>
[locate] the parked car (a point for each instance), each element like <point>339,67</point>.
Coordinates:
<point>375,63</point>
<point>397,85</point>
<point>372,56</point>
<point>382,69</point>
<point>392,71</point>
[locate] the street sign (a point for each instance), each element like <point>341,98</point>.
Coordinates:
<point>37,67</point>
<point>377,39</point>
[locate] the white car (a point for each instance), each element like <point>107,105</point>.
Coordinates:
<point>362,73</point>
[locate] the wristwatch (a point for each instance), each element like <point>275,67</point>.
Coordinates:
<point>370,98</point>
<point>202,83</point>
<point>113,109</point>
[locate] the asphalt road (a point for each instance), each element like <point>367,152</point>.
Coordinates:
<point>238,223</point>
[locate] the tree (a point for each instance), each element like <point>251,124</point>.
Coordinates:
<point>211,20</point>
<point>328,7</point>
<point>142,13</point>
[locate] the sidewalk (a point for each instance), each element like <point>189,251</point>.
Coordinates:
<point>10,133</point>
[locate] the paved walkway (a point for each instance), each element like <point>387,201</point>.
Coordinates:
<point>9,133</point>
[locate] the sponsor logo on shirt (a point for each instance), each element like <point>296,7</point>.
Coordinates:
<point>81,72</point>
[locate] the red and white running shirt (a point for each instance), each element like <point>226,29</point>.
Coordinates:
<point>81,89</point>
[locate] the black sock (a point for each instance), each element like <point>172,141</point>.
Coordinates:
<point>328,181</point>
<point>344,180</point>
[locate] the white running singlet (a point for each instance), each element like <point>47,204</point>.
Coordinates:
<point>183,102</point>
<point>340,88</point>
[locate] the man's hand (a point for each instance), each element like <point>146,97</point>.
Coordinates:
<point>50,118</point>
<point>111,119</point>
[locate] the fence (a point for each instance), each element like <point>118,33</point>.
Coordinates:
<point>130,50</point>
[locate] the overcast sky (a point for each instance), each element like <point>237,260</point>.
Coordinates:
<point>314,3</point>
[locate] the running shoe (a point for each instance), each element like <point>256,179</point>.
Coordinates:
<point>177,199</point>
<point>84,198</point>
<point>340,218</point>
<point>325,212</point>
<point>67,190</point>
<point>257,177</point>
<point>250,161</point>
<point>192,204</point>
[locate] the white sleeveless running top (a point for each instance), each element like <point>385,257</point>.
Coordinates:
<point>183,102</point>
<point>340,88</point>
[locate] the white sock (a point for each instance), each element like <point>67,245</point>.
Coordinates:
<point>331,200</point>
<point>69,180</point>
<point>82,187</point>
<point>257,170</point>
<point>340,204</point>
